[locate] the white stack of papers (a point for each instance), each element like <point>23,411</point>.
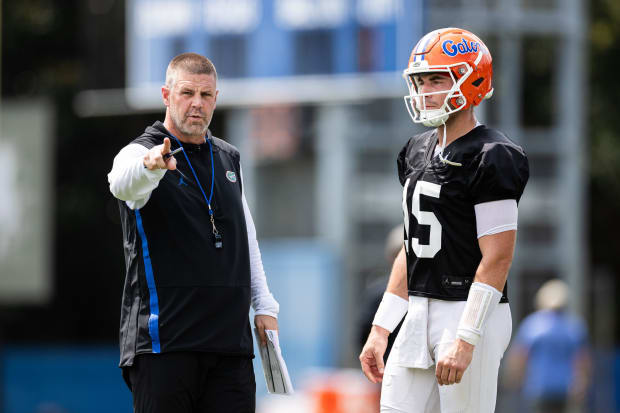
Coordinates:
<point>276,374</point>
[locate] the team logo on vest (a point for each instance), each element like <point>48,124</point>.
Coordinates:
<point>232,176</point>
<point>462,47</point>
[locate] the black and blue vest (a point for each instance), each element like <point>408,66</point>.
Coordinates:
<point>181,292</point>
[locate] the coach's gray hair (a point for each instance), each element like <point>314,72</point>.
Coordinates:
<point>192,63</point>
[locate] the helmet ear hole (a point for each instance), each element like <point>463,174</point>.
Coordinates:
<point>477,81</point>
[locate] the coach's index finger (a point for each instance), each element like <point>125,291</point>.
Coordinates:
<point>170,162</point>
<point>165,147</point>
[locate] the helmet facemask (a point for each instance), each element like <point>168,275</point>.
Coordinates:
<point>453,102</point>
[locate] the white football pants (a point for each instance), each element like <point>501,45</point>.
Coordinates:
<point>415,390</point>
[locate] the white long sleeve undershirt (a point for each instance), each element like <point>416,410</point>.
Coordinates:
<point>131,182</point>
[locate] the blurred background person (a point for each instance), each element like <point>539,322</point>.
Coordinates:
<point>550,357</point>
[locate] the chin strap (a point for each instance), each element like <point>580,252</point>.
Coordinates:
<point>442,147</point>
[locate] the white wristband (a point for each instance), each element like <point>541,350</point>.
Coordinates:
<point>481,303</point>
<point>391,310</point>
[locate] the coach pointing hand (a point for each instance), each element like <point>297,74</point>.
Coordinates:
<point>154,158</point>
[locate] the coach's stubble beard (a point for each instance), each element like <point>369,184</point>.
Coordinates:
<point>188,126</point>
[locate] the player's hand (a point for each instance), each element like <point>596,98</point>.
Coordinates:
<point>154,158</point>
<point>262,323</point>
<point>371,357</point>
<point>453,363</point>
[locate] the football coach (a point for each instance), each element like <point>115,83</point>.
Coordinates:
<point>193,266</point>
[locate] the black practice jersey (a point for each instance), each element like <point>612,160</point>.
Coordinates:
<point>438,203</point>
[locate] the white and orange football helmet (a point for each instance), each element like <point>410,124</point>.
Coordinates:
<point>462,56</point>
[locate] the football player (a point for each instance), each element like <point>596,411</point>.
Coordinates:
<point>461,185</point>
